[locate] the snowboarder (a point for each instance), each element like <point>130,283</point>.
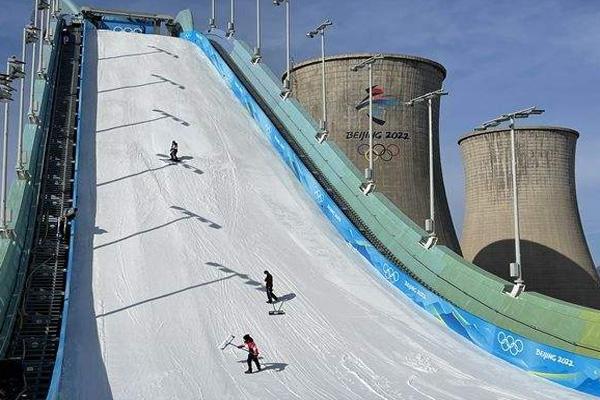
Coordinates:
<point>252,353</point>
<point>269,284</point>
<point>173,151</point>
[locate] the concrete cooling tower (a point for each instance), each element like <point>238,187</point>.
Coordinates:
<point>556,260</point>
<point>401,149</point>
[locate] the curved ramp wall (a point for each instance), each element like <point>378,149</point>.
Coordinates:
<point>555,340</point>
<point>22,201</point>
<point>555,256</point>
<point>401,133</point>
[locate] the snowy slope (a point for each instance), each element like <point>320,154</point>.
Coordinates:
<point>169,261</point>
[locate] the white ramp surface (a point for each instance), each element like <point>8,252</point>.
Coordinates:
<point>169,262</point>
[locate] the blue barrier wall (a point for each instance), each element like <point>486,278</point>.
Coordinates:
<point>566,368</point>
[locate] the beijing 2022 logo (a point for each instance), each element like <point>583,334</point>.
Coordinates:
<point>380,103</point>
<point>509,344</point>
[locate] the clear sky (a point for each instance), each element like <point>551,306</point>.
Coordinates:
<point>500,55</point>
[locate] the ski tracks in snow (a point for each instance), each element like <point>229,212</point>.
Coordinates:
<point>410,383</point>
<point>375,384</point>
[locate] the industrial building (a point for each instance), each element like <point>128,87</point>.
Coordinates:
<point>401,145</point>
<point>556,260</point>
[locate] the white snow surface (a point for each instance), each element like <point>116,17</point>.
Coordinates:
<point>169,261</point>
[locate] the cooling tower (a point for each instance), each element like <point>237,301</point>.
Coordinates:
<point>556,260</point>
<point>401,149</point>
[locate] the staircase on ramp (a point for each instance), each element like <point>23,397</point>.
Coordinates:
<point>36,335</point>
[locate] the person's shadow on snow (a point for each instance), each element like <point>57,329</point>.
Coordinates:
<point>249,281</point>
<point>181,163</point>
<point>277,367</point>
<point>99,231</point>
<point>287,297</point>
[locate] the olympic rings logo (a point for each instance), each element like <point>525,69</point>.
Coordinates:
<point>390,273</point>
<point>510,344</point>
<point>386,153</point>
<point>319,196</point>
<point>127,29</point>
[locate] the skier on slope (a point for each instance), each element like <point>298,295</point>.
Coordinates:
<point>173,151</point>
<point>252,353</point>
<point>269,284</point>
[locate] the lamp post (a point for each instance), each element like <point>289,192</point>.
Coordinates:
<point>3,220</point>
<point>212,22</point>
<point>368,186</point>
<point>320,30</point>
<point>231,24</point>
<point>41,6</point>
<point>48,35</point>
<point>428,97</point>
<point>516,266</point>
<point>287,91</point>
<point>29,36</point>
<point>14,70</point>
<point>32,108</point>
<point>256,57</point>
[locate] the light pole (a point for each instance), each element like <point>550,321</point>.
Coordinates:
<point>6,92</point>
<point>32,109</point>
<point>231,24</point>
<point>212,22</point>
<point>48,36</point>
<point>287,91</point>
<point>256,57</point>
<point>320,30</point>
<point>428,97</point>
<point>8,89</point>
<point>29,36</point>
<point>368,186</point>
<point>41,6</point>
<point>515,267</point>
<point>14,70</point>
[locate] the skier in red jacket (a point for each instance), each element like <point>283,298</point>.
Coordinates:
<point>252,352</point>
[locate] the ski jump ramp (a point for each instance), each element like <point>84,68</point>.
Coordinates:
<point>170,259</point>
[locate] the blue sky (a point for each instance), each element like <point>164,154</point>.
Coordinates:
<point>500,56</point>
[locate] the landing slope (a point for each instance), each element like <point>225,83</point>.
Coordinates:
<point>169,260</point>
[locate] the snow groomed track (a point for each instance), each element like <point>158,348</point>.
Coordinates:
<point>170,260</point>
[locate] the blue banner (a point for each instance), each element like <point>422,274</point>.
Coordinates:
<point>563,367</point>
<point>124,25</point>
